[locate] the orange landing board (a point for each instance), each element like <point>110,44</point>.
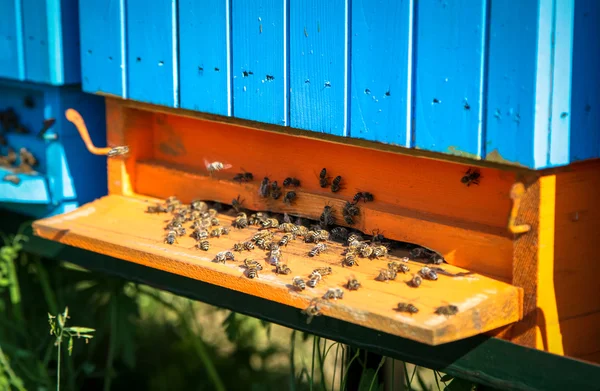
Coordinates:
<point>119,227</point>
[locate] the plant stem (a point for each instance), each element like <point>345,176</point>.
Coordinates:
<point>46,287</point>
<point>292,364</point>
<point>376,372</point>
<point>337,351</point>
<point>11,374</point>
<point>322,361</point>
<point>348,366</point>
<point>58,366</point>
<point>14,290</point>
<point>312,367</point>
<point>111,343</point>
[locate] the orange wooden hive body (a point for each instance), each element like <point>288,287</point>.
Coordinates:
<point>418,199</point>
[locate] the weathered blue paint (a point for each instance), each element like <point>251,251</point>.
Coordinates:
<point>35,31</point>
<point>102,54</point>
<point>511,81</point>
<point>152,52</point>
<point>560,136</point>
<point>585,98</point>
<point>318,65</point>
<point>260,91</point>
<point>449,76</point>
<point>66,171</point>
<point>381,70</point>
<point>11,40</point>
<point>204,29</point>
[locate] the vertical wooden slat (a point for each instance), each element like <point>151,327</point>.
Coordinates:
<point>381,70</point>
<point>35,31</point>
<point>151,52</point>
<point>259,60</point>
<point>11,40</point>
<point>102,62</point>
<point>585,103</point>
<point>204,56</point>
<point>449,76</point>
<point>318,55</point>
<point>558,153</point>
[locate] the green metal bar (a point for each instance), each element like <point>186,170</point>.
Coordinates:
<point>488,361</point>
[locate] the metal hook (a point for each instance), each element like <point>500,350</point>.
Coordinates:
<point>75,118</point>
<point>516,193</point>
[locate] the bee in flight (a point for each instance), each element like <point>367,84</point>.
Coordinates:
<point>216,166</point>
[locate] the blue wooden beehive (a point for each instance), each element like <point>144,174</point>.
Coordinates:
<point>512,82</point>
<point>39,72</point>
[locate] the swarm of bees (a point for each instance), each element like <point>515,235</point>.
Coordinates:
<point>273,234</point>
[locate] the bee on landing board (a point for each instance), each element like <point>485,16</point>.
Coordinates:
<point>428,274</point>
<point>471,177</point>
<point>203,245</point>
<point>290,196</point>
<point>333,293</point>
<point>407,307</point>
<point>312,310</point>
<point>447,310</point>
<point>386,275</point>
<point>241,221</point>
<point>171,237</point>
<point>158,208</point>
<point>352,284</point>
<point>326,219</point>
<point>415,282</point>
<point>291,182</point>
<point>349,259</point>
<point>282,269</point>
<point>318,249</point>
<point>298,283</point>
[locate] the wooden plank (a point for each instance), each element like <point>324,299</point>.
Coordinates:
<point>12,64</point>
<point>152,52</point>
<point>318,65</point>
<point>381,70</point>
<point>449,76</point>
<point>117,226</point>
<point>580,335</point>
<point>35,31</point>
<point>103,65</point>
<point>585,113</point>
<point>205,63</point>
<point>260,64</point>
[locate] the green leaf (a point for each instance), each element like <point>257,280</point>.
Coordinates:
<point>70,348</point>
<point>368,378</point>
<point>80,330</point>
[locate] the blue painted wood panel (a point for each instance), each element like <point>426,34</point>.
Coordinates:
<point>449,76</point>
<point>205,74</point>
<point>560,135</point>
<point>381,70</point>
<point>318,65</point>
<point>585,100</point>
<point>512,82</point>
<point>103,55</point>
<point>152,52</point>
<point>260,79</point>
<point>11,40</point>
<point>65,34</point>
<point>35,31</point>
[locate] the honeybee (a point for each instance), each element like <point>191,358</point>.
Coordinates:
<point>386,275</point>
<point>349,259</point>
<point>286,238</point>
<point>241,220</point>
<point>365,251</point>
<point>212,213</point>
<point>312,310</point>
<point>398,267</point>
<point>158,208</point>
<point>322,235</point>
<point>287,227</point>
<point>264,188</point>
<point>274,250</point>
<point>379,251</point>
<point>15,180</point>
<point>335,184</point>
<point>323,180</point>
<point>180,230</point>
<point>377,236</point>
<point>313,280</point>
<point>326,217</point>
<point>287,182</point>
<point>428,274</point>
<point>355,237</point>
<point>216,233</point>
<point>415,282</point>
<point>350,209</point>
<point>118,151</point>
<point>239,247</point>
<point>339,233</point>
<point>363,195</point>
<point>301,230</point>
<point>171,237</point>
<point>352,284</point>
<point>407,307</point>
<point>252,272</point>
<point>214,221</point>
<point>275,190</point>
<point>322,271</point>
<point>236,203</point>
<point>282,269</point>
<point>471,177</point>
<point>261,235</point>
<point>216,166</point>
<point>251,263</point>
<point>199,205</point>
<point>298,283</point>
<point>318,249</point>
<point>203,245</point>
<point>311,236</point>
<point>290,196</point>
<point>263,243</point>
<point>220,257</point>
<point>333,293</point>
<point>447,310</point>
<point>243,177</point>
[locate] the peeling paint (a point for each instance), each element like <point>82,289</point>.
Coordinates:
<point>495,156</point>
<point>455,151</point>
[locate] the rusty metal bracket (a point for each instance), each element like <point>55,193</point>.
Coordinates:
<point>76,119</point>
<point>516,193</point>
